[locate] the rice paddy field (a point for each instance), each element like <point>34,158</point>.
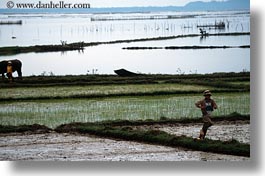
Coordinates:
<point>54,113</point>
<point>55,105</point>
<point>100,90</point>
<point>155,105</point>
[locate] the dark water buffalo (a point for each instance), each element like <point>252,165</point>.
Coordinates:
<point>16,66</point>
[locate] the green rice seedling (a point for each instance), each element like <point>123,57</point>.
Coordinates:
<point>93,90</point>
<point>55,112</point>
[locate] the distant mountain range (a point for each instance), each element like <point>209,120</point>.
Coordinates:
<point>192,6</point>
<point>218,5</point>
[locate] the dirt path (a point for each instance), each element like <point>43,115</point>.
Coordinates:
<point>224,130</point>
<point>71,147</point>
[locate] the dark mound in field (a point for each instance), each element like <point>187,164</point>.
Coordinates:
<point>35,128</point>
<point>123,72</point>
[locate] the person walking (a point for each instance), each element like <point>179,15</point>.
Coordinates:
<point>207,106</point>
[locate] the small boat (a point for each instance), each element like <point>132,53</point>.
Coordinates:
<point>123,72</point>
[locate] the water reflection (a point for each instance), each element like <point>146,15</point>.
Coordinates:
<point>51,28</point>
<point>103,59</point>
<point>107,58</point>
<point>203,38</point>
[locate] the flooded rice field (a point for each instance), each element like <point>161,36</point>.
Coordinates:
<point>93,61</point>
<point>75,147</point>
<point>36,30</point>
<point>54,113</point>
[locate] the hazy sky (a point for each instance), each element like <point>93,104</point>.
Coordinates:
<point>111,3</point>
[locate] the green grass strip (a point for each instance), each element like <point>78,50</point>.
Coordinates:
<point>123,130</point>
<point>159,137</point>
<point>164,120</point>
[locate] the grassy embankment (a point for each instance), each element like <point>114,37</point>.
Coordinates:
<point>185,47</point>
<point>159,137</point>
<point>222,82</point>
<point>12,50</point>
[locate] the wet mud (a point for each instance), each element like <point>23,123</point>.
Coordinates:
<point>223,130</point>
<point>75,147</point>
<point>70,147</point>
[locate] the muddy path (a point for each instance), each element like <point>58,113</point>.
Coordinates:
<point>223,130</point>
<point>73,147</point>
<point>76,147</point>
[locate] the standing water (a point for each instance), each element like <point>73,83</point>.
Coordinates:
<point>43,29</point>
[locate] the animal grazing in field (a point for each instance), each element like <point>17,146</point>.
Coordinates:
<point>16,66</point>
